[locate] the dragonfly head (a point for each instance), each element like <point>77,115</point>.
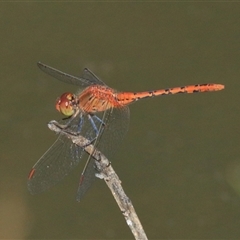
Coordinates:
<point>66,104</point>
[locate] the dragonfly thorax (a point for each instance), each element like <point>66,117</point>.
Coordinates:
<point>67,104</point>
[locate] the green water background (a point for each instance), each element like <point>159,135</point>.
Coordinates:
<point>180,162</point>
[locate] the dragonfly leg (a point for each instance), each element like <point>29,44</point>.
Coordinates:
<point>93,124</point>
<point>79,127</point>
<point>99,119</point>
<point>80,124</point>
<point>66,127</point>
<point>96,129</point>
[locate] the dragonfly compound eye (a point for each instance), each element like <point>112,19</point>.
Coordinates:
<point>65,104</point>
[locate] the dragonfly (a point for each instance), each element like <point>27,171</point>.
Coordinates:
<point>98,113</point>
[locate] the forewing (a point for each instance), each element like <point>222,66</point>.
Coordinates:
<point>85,129</point>
<point>67,78</point>
<point>87,177</point>
<point>61,158</point>
<point>86,180</point>
<point>64,77</point>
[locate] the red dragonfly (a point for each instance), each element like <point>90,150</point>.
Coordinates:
<point>98,113</point>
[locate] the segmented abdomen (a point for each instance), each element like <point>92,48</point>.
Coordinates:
<point>129,97</point>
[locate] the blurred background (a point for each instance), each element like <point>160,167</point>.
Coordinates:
<point>180,162</point>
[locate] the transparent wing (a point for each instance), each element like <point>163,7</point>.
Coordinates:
<point>89,75</point>
<point>60,159</point>
<point>88,79</point>
<point>117,124</point>
<point>116,121</point>
<point>63,156</point>
<point>86,180</point>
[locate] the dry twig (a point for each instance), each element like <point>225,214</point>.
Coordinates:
<point>107,173</point>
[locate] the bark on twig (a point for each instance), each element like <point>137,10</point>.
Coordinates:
<point>110,177</point>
